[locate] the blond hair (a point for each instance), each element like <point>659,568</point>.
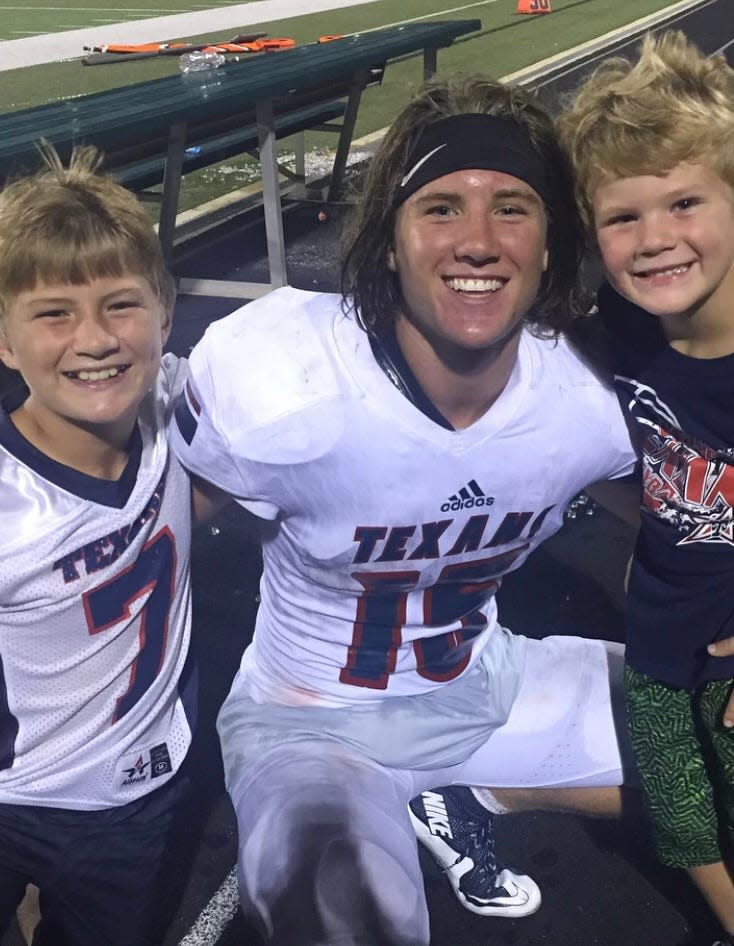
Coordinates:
<point>628,119</point>
<point>71,224</point>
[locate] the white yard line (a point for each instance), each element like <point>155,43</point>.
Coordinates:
<point>428,16</point>
<point>4,8</point>
<point>534,73</point>
<point>69,44</point>
<point>216,915</point>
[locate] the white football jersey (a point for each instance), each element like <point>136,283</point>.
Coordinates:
<point>386,535</point>
<point>95,619</point>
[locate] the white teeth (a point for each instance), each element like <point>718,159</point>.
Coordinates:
<point>102,375</point>
<point>474,285</point>
<point>671,271</point>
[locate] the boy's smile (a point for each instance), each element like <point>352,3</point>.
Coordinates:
<point>89,354</point>
<point>667,242</point>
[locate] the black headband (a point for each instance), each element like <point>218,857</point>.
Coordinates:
<point>473,141</point>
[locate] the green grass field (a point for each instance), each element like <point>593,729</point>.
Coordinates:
<point>506,43</point>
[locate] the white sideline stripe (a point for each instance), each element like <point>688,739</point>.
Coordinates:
<point>69,44</point>
<point>61,51</point>
<point>112,19</point>
<point>428,16</point>
<point>3,8</point>
<point>216,915</point>
<point>538,69</point>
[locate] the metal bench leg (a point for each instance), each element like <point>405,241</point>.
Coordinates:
<point>430,63</point>
<point>299,148</point>
<point>271,194</point>
<point>345,137</point>
<point>171,189</point>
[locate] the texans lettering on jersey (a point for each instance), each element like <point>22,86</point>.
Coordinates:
<point>95,618</point>
<point>385,535</point>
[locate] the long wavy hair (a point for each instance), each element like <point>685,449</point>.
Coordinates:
<point>373,291</point>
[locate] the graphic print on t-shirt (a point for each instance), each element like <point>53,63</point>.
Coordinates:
<point>686,484</point>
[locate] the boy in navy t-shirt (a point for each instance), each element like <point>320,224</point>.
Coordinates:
<point>653,147</point>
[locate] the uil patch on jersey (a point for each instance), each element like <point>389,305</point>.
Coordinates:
<point>144,765</point>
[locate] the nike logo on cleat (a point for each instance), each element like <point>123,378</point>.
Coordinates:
<point>436,814</point>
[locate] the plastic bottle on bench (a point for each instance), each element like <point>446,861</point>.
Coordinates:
<point>199,61</point>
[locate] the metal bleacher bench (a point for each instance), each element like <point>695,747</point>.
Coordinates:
<point>208,142</point>
<point>155,131</point>
<point>208,145</point>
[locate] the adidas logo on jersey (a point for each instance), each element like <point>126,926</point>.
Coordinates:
<point>436,814</point>
<point>467,497</point>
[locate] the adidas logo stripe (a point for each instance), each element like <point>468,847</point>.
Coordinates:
<point>467,497</point>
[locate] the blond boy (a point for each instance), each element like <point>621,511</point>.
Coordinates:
<point>95,601</point>
<point>653,147</point>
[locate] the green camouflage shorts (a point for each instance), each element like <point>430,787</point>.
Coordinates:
<point>686,761</point>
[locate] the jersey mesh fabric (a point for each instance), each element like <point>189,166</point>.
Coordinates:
<point>387,535</point>
<point>94,627</point>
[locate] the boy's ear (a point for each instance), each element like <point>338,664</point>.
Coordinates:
<point>6,353</point>
<point>166,323</point>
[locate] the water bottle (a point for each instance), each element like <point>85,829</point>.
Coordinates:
<point>199,61</point>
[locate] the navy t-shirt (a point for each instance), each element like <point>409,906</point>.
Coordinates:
<point>681,414</point>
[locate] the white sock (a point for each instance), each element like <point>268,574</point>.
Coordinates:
<point>485,798</point>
